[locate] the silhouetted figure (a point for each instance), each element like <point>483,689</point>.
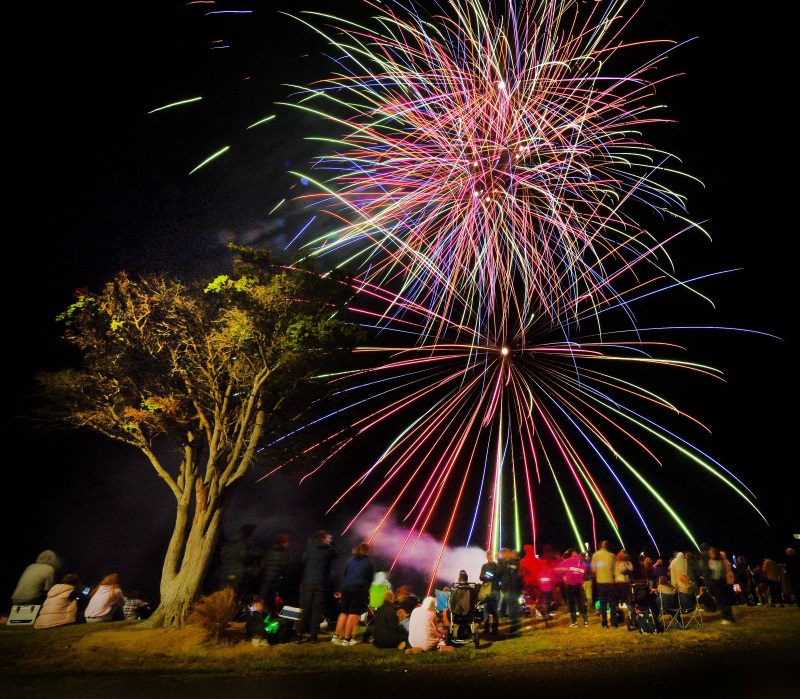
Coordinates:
<point>240,561</point>
<point>317,560</point>
<point>274,568</point>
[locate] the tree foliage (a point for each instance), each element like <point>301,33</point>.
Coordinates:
<point>209,368</point>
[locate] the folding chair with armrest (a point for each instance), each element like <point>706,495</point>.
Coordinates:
<point>689,609</point>
<point>669,613</point>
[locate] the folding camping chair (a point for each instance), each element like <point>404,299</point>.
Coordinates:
<point>689,609</point>
<point>669,614</point>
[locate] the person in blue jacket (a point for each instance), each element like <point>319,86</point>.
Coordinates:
<point>356,581</point>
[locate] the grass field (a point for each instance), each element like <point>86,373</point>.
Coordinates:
<point>757,657</point>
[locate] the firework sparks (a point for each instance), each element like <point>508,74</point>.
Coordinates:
<point>491,420</point>
<point>487,159</point>
<point>491,188</point>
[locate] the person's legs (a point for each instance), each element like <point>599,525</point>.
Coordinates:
<point>346,603</point>
<point>774,592</point>
<point>601,604</point>
<point>317,600</point>
<point>341,622</point>
<point>351,623</point>
<point>513,613</point>
<point>613,605</point>
<point>548,605</point>
<point>572,606</point>
<point>305,610</point>
<point>486,606</point>
<point>605,597</point>
<point>719,593</point>
<point>582,606</point>
<point>588,592</point>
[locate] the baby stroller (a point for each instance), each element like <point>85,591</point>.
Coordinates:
<point>640,614</point>
<point>464,614</point>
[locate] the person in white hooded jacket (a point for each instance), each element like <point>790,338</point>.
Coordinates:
<point>677,566</point>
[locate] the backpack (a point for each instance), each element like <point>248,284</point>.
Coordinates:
<point>646,622</point>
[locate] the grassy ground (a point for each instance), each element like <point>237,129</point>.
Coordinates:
<point>756,657</point>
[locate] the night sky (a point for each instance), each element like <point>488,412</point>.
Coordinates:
<point>104,186</point>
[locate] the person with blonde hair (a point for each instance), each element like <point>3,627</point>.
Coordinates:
<point>106,601</point>
<point>686,586</point>
<point>424,632</point>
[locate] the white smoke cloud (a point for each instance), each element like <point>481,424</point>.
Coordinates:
<point>418,552</point>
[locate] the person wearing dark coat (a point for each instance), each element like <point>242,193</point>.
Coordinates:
<point>510,586</point>
<point>792,568</point>
<point>240,560</point>
<point>387,631</point>
<point>317,559</point>
<point>274,568</point>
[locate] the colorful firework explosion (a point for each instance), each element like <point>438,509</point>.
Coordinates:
<point>492,187</point>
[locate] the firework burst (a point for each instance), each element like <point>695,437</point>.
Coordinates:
<point>489,161</point>
<point>491,189</point>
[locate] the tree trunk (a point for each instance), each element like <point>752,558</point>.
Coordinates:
<point>179,589</point>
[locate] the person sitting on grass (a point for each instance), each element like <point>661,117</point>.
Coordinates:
<point>424,632</point>
<point>387,631</point>
<point>65,604</point>
<point>105,601</point>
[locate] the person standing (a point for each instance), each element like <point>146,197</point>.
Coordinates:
<point>317,559</point>
<point>623,577</point>
<point>491,603</point>
<point>702,565</point>
<point>588,579</point>
<point>274,569</point>
<point>240,560</point>
<point>547,582</point>
<point>36,580</point>
<point>792,567</point>
<point>744,578</point>
<point>510,586</point>
<point>573,568</point>
<point>677,567</point>
<point>693,568</point>
<point>716,579</point>
<point>530,566</point>
<point>358,574</point>
<point>603,563</point>
<point>772,573</point>
<point>730,577</point>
